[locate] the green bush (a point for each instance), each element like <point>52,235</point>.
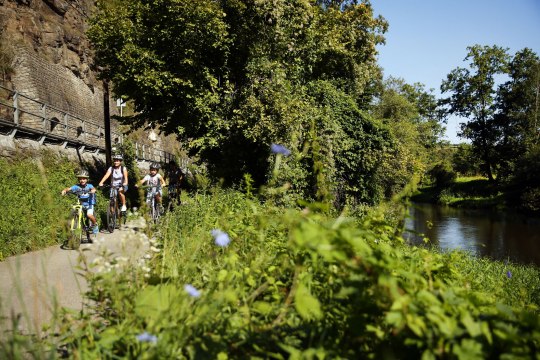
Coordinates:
<point>442,175</point>
<point>299,284</point>
<point>31,205</point>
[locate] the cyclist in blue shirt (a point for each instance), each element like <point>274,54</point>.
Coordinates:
<point>87,196</point>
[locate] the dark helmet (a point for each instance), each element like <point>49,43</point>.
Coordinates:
<point>118,157</point>
<point>83,173</point>
<point>155,165</point>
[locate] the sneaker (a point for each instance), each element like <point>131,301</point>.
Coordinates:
<point>124,208</point>
<point>95,230</point>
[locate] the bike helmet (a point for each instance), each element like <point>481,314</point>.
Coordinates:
<point>83,173</point>
<point>155,165</point>
<point>118,157</point>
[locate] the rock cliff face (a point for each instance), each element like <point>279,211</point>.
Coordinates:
<point>52,29</point>
<point>53,61</point>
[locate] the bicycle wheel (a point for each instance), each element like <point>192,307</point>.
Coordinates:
<point>111,215</point>
<point>156,213</point>
<point>118,217</point>
<point>76,232</point>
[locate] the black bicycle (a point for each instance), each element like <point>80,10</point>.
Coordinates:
<point>115,217</point>
<point>173,196</point>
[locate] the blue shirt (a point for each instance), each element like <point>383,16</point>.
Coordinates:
<point>85,197</point>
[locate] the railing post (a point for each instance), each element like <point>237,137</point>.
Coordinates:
<point>16,106</point>
<point>44,116</point>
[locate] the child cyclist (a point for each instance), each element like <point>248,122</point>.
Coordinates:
<point>86,193</point>
<point>154,179</point>
<point>119,178</point>
<point>174,176</point>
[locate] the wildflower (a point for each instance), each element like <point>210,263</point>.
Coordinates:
<point>221,238</point>
<point>146,337</point>
<point>280,149</point>
<point>192,291</point>
<point>509,274</point>
<point>154,249</point>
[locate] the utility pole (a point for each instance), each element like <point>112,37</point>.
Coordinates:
<point>107,122</point>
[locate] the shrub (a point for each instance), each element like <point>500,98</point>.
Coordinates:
<point>283,283</point>
<point>442,174</point>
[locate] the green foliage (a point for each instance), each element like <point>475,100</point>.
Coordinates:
<point>296,283</point>
<point>442,174</point>
<point>33,211</point>
<point>473,96</point>
<point>517,119</point>
<point>251,77</point>
<point>465,161</point>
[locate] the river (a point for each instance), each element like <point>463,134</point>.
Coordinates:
<point>500,236</point>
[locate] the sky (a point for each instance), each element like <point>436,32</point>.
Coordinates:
<point>427,39</point>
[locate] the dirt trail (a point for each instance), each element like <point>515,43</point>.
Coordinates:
<point>30,284</point>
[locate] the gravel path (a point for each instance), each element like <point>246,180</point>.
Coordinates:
<point>30,284</point>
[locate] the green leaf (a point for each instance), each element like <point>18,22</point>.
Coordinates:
<point>155,300</point>
<point>262,307</point>
<point>306,304</point>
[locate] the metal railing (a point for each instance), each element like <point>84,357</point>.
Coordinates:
<point>21,114</point>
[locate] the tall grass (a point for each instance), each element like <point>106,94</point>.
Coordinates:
<point>299,283</point>
<point>33,214</point>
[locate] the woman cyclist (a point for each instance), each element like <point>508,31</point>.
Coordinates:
<point>119,179</point>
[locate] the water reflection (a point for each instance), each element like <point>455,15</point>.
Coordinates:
<point>480,232</point>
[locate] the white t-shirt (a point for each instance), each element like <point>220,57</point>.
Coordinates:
<point>153,180</point>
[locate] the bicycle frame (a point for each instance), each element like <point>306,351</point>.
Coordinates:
<point>79,225</point>
<point>151,193</point>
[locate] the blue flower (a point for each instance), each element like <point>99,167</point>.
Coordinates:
<point>192,291</point>
<point>280,149</point>
<point>146,337</point>
<point>509,274</point>
<point>221,238</point>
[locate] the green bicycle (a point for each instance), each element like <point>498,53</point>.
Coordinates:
<point>79,225</point>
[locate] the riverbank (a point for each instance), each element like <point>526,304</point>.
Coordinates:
<point>474,193</point>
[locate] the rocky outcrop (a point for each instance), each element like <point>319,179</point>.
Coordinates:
<point>53,29</point>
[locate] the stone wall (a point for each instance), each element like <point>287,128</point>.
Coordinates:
<point>55,85</point>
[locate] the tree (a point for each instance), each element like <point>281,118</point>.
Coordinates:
<point>229,77</point>
<point>518,106</point>
<point>473,97</point>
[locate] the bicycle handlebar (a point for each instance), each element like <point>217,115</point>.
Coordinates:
<point>110,186</point>
<point>79,192</point>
